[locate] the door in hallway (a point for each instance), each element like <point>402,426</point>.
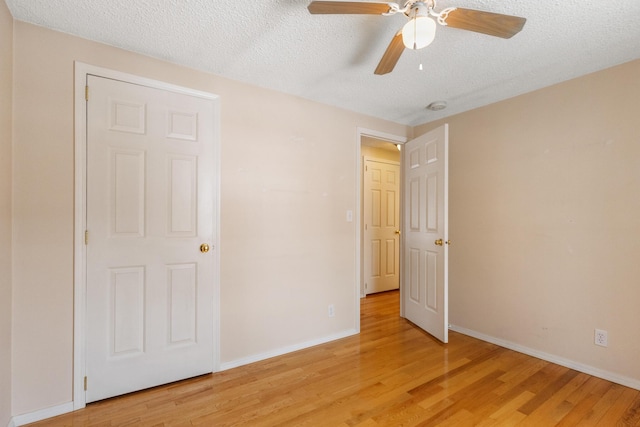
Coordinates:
<point>381,225</point>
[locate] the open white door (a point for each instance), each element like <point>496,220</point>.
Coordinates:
<point>425,242</point>
<point>381,225</point>
<point>150,232</point>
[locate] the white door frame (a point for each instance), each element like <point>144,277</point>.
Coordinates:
<point>80,210</point>
<point>394,139</point>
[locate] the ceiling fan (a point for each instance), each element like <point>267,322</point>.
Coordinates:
<point>420,30</point>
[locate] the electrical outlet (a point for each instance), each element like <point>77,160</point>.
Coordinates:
<point>600,338</point>
<point>331,311</point>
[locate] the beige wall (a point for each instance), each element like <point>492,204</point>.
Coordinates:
<point>6,66</point>
<point>380,153</point>
<point>288,177</point>
<point>545,219</point>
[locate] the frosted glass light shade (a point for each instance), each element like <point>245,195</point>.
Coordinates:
<point>419,32</point>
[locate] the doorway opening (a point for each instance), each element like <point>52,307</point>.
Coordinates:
<point>367,139</point>
<point>380,207</point>
<point>425,238</point>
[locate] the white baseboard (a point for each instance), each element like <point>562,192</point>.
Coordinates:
<point>581,367</point>
<point>32,417</point>
<point>11,423</point>
<point>284,350</point>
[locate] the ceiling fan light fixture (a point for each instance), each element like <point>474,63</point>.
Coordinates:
<point>420,31</point>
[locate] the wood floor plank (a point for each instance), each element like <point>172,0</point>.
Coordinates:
<point>391,374</point>
<point>550,404</point>
<point>593,417</point>
<point>618,410</point>
<point>632,415</point>
<point>508,409</point>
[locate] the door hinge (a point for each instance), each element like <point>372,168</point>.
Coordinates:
<point>85,383</point>
<point>86,93</point>
<point>86,237</point>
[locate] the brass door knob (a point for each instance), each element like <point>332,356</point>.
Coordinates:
<point>397,231</point>
<point>439,242</point>
<point>204,248</point>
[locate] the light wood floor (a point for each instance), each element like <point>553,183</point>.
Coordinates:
<point>392,374</point>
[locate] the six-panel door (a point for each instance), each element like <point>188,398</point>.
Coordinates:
<point>425,243</point>
<point>149,208</point>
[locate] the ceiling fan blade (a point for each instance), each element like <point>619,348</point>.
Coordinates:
<point>348,7</point>
<point>493,24</point>
<point>391,55</point>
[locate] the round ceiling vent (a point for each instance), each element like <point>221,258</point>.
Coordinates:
<point>437,106</point>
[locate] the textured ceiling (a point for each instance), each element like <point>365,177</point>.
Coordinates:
<point>277,44</point>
